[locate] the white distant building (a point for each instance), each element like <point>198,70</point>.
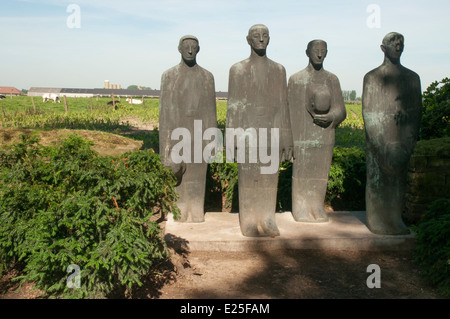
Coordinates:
<point>71,92</point>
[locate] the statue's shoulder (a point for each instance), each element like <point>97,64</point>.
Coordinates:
<point>240,66</point>
<point>276,65</point>
<point>300,76</point>
<point>411,74</point>
<point>205,72</point>
<point>374,74</point>
<point>170,72</point>
<point>333,77</point>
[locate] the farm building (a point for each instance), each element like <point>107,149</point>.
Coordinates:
<point>71,92</point>
<point>40,91</point>
<point>221,95</point>
<point>9,90</point>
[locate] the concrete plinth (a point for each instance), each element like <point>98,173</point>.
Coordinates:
<point>344,231</point>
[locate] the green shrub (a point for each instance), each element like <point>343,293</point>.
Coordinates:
<point>434,147</point>
<point>66,205</point>
<point>347,179</point>
<point>436,111</point>
<point>227,174</point>
<point>432,252</point>
<point>284,191</point>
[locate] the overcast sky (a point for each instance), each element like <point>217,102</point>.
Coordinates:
<point>43,43</point>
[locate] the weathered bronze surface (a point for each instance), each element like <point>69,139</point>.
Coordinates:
<point>392,101</point>
<point>187,94</point>
<point>257,98</point>
<point>316,107</point>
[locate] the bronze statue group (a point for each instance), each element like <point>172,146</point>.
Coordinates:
<point>305,112</point>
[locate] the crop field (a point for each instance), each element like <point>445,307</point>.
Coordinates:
<point>83,113</point>
<point>96,114</point>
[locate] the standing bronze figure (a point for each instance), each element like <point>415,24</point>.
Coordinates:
<point>187,96</point>
<point>392,102</point>
<point>316,108</point>
<point>257,99</point>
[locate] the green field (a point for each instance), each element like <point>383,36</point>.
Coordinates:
<point>96,114</point>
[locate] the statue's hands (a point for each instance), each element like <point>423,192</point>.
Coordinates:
<point>323,120</point>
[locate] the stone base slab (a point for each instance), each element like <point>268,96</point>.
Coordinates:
<point>344,231</point>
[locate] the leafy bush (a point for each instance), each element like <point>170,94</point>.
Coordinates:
<point>347,179</point>
<point>227,174</point>
<point>434,147</point>
<point>66,205</point>
<point>433,245</point>
<point>284,191</point>
<point>436,111</point>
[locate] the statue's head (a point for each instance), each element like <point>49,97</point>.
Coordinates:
<point>258,38</point>
<point>392,46</point>
<point>316,52</point>
<point>189,47</point>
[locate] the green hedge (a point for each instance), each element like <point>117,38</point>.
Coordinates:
<point>433,245</point>
<point>434,147</point>
<point>66,205</point>
<point>347,179</point>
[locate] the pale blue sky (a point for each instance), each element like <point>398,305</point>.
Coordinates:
<point>134,42</point>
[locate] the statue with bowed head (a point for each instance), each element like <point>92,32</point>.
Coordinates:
<point>187,95</point>
<point>392,102</point>
<point>316,108</point>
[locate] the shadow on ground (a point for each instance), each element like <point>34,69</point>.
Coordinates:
<point>299,274</point>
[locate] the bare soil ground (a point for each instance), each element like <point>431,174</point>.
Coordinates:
<point>105,143</point>
<point>291,274</point>
<point>297,274</point>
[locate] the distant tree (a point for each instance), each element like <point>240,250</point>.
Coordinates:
<point>138,87</point>
<point>353,95</point>
<point>346,95</point>
<point>24,91</point>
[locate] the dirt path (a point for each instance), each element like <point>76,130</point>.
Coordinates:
<point>297,274</point>
<point>301,274</point>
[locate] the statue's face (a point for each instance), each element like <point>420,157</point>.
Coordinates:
<point>258,38</point>
<point>393,47</point>
<point>189,49</point>
<point>317,52</point>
